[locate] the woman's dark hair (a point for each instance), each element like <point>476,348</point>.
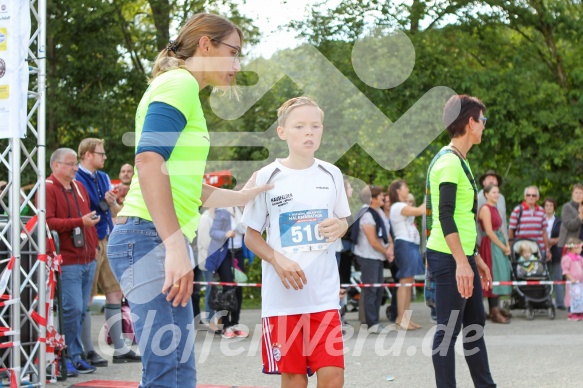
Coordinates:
<point>457,113</point>
<point>393,187</point>
<point>551,200</point>
<point>489,188</point>
<point>369,192</point>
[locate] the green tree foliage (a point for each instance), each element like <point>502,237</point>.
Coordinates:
<point>521,58</point>
<point>99,57</point>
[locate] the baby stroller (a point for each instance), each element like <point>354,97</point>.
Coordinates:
<point>530,297</point>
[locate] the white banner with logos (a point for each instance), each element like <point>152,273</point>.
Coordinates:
<point>14,37</point>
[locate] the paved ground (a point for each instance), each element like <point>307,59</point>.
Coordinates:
<point>539,353</point>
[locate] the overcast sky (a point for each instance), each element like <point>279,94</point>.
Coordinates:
<point>270,15</point>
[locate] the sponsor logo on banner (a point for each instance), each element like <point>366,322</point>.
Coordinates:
<point>15,27</point>
<point>3,39</point>
<point>4,92</point>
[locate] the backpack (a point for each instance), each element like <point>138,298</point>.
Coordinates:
<point>380,226</point>
<point>127,325</point>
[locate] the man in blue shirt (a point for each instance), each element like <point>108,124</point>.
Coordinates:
<point>103,202</point>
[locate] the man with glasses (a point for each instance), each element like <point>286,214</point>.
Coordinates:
<point>528,220</point>
<point>103,202</point>
<point>69,214</point>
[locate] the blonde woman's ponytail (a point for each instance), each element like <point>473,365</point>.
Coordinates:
<point>203,24</point>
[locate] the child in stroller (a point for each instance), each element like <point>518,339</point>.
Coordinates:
<point>528,264</point>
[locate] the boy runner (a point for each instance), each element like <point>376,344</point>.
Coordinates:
<point>303,214</point>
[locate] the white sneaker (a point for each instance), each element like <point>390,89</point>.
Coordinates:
<point>376,329</point>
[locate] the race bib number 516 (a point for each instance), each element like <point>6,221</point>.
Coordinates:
<point>299,230</point>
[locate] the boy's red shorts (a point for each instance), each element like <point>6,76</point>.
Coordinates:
<point>302,343</point>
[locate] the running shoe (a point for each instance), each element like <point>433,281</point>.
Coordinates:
<point>83,367</point>
<point>71,370</point>
<point>240,331</point>
<point>376,329</point>
<point>229,332</point>
<point>129,356</point>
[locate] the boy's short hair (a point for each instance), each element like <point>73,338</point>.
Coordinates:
<point>285,109</point>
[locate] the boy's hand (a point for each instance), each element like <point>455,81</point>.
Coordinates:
<point>332,228</point>
<point>290,273</point>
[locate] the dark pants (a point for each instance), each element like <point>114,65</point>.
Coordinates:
<point>345,264</point>
<point>225,273</point>
<point>195,297</point>
<point>559,288</point>
<point>371,271</point>
<point>467,312</point>
<point>393,306</point>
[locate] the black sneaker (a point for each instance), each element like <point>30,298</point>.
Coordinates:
<point>83,367</point>
<point>128,357</point>
<point>94,359</point>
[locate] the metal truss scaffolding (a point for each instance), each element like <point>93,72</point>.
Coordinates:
<point>23,311</point>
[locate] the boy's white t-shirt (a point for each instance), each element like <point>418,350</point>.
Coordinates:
<point>403,226</point>
<point>290,212</point>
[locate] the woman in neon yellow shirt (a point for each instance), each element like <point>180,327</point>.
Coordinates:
<point>149,247</point>
<point>459,272</point>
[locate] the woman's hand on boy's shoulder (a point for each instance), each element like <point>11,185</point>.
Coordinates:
<point>333,228</point>
<point>251,190</point>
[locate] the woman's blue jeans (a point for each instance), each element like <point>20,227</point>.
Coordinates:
<point>453,312</point>
<point>165,334</point>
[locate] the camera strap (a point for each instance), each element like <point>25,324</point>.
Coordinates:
<point>67,200</point>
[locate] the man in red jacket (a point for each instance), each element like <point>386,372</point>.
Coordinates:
<point>68,213</point>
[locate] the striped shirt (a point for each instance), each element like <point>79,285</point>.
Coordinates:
<point>532,223</point>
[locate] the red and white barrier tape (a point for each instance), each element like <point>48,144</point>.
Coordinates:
<point>391,285</point>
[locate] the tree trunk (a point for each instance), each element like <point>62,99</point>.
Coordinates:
<point>547,31</point>
<point>161,13</point>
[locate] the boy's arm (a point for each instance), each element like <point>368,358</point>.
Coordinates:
<point>290,273</point>
<point>333,228</point>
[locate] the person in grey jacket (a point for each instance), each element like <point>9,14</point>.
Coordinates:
<point>572,216</point>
